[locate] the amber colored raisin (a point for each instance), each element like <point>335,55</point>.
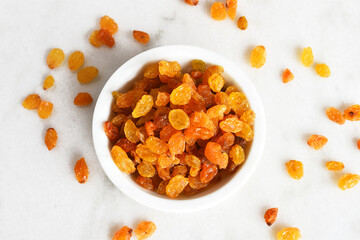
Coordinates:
<point>162,187</point>
<point>248,117</point>
<point>121,160</point>
<point>210,71</point>
<point>334,166</point>
<point>222,98</point>
<point>352,113</point>
<point>232,5</point>
<point>322,70</point>
<point>146,154</point>
<point>242,23</point>
<point>145,169</point>
<point>143,106</point>
<point>87,74</point>
<point>179,119</point>
<point>194,163</point>
<point>238,103</point>
<point>177,143</point>
<point>167,132</point>
<point>213,154</point>
<point>287,76</point>
<point>232,124</point>
<point>144,230</point>
<point>208,172</point>
<point>165,161</point>
<point>170,69</point>
<point>192,2</point>
<point>118,120</point>
<point>81,171</point>
<point>205,92</point>
<point>142,134</point>
<point>106,38</point>
<point>124,233</point>
<point>295,169</point>
<point>152,71</point>
<point>126,145</point>
<point>195,74</point>
<point>150,128</point>
<point>109,24</point>
<point>179,170</point>
<point>94,39</point>
<point>156,145</point>
<point>270,216</point>
<point>198,64</point>
<point>32,101</point>
<point>307,57</point>
<point>176,185</point>
<point>226,141</point>
<point>111,131</point>
<point>45,109</point>
<point>55,58</point>
<point>317,141</point>
<point>216,82</point>
<point>141,37</point>
<point>50,138</point>
<point>218,11</point>
<point>335,115</point>
<point>163,98</point>
<point>83,99</point>
<point>181,95</point>
<point>161,118</point>
<point>48,82</point>
<point>348,180</point>
<point>163,173</point>
<point>195,182</point>
<point>231,89</point>
<point>289,233</point>
<point>246,133</point>
<point>258,57</point>
<point>237,154</point>
<point>130,131</point>
<point>76,60</point>
<point>216,112</point>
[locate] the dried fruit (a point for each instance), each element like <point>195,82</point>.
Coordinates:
<point>94,39</point>
<point>145,182</point>
<point>109,24</point>
<point>270,216</point>
<point>118,120</point>
<point>181,95</point>
<point>152,71</point>
<point>210,71</point>
<point>216,82</point>
<point>213,154</point>
<point>141,37</point>
<point>81,171</point>
<point>226,141</point>
<point>124,233</point>
<point>295,169</point>
<point>231,89</point>
<point>32,101</point>
<point>218,11</point>
<point>83,99</point>
<point>76,60</point>
<point>156,145</point>
<point>195,182</point>
<point>194,163</point>
<point>45,109</point>
<point>216,112</point>
<point>146,154</point>
<point>198,64</point>
<point>55,58</point>
<point>162,187</point>
<point>192,2</point>
<point>248,117</point>
<point>289,233</point>
<point>222,98</point>
<point>170,69</point>
<point>121,160</point>
<point>232,5</point>
<point>242,23</point>
<point>146,169</point>
<point>237,154</point>
<point>246,133</point>
<point>287,76</point>
<point>322,70</point>
<point>126,145</point>
<point>143,106</point>
<point>106,38</point>
<point>48,82</point>
<point>177,143</point>
<point>144,230</point>
<point>307,57</point>
<point>179,170</point>
<point>50,138</point>
<point>130,131</point>
<point>232,124</point>
<point>258,57</point>
<point>348,180</point>
<point>179,119</point>
<point>335,115</point>
<point>208,172</point>
<point>176,186</point>
<point>87,74</point>
<point>334,166</point>
<point>317,141</point>
<point>111,131</point>
<point>163,98</point>
<point>238,103</point>
<point>352,113</point>
<point>208,96</point>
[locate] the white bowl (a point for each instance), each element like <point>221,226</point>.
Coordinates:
<point>120,81</point>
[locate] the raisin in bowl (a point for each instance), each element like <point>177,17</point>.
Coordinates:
<point>127,162</point>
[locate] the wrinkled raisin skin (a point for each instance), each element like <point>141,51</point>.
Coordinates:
<point>141,37</point>
<point>50,138</point>
<point>270,216</point>
<point>81,171</point>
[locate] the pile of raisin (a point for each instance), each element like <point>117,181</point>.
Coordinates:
<point>177,132</point>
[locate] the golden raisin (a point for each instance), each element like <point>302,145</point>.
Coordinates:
<point>231,89</point>
<point>94,39</point>
<point>335,115</point>
<point>126,145</point>
<point>287,76</point>
<point>213,154</point>
<point>87,74</point>
<point>146,154</point>
<point>121,160</point>
<point>218,11</point>
<point>198,64</point>
<point>106,38</point>
<point>32,101</point>
<point>238,103</point>
<point>109,24</point>
<point>152,71</point>
<point>48,82</point>
<point>334,166</point>
<point>141,37</point>
<point>348,180</point>
<point>258,57</point>
<point>195,182</point>
<point>232,5</point>
<point>216,82</point>
<point>352,113</point>
<point>222,98</point>
<point>81,171</point>
<point>162,187</point>
<point>176,186</point>
<point>130,131</point>
<point>177,143</point>
<point>146,169</point>
<point>111,131</point>
<point>289,233</point>
<point>76,60</point>
<point>208,172</point>
<point>124,233</point>
<point>156,145</point>
<point>83,99</point>
<point>45,109</point>
<point>181,95</point>
<point>50,138</point>
<point>270,216</point>
<point>317,141</point>
<point>145,182</point>
<point>210,71</point>
<point>143,106</point>
<point>246,132</point>
<point>192,2</point>
<point>55,58</point>
<point>242,23</point>
<point>179,119</point>
<point>232,124</point>
<point>237,154</point>
<point>144,230</point>
<point>179,170</point>
<point>322,70</point>
<point>307,57</point>
<point>248,117</point>
<point>170,69</point>
<point>163,98</point>
<point>295,169</point>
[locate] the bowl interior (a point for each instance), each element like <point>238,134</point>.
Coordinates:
<point>124,78</point>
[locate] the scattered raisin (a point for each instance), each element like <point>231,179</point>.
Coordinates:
<point>307,57</point>
<point>270,216</point>
<point>50,138</point>
<point>32,101</point>
<point>258,57</point>
<point>48,82</point>
<point>334,166</point>
<point>218,11</point>
<point>55,58</point>
<point>141,37</point>
<point>287,76</point>
<point>124,233</point>
<point>317,141</point>
<point>295,169</point>
<point>322,70</point>
<point>109,24</point>
<point>76,60</point>
<point>83,99</point>
<point>242,23</point>
<point>87,74</point>
<point>144,230</point>
<point>106,38</point>
<point>81,171</point>
<point>348,180</point>
<point>45,109</point>
<point>335,115</point>
<point>192,2</point>
<point>289,233</point>
<point>352,113</point>
<point>94,39</point>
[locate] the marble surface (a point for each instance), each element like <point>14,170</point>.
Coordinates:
<point>39,197</point>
